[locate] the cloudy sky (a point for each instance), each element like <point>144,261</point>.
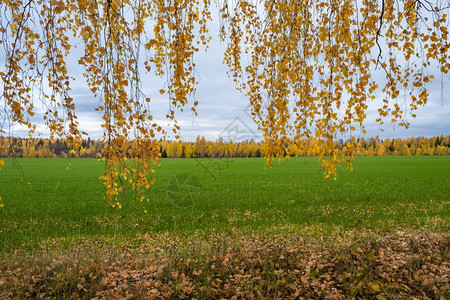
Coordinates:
<point>222,111</point>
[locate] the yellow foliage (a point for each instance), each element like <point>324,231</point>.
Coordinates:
<point>306,67</point>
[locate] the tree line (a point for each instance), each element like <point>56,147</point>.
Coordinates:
<point>203,148</point>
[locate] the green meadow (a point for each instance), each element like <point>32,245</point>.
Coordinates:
<point>56,198</point>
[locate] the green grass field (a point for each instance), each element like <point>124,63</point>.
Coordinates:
<point>381,194</point>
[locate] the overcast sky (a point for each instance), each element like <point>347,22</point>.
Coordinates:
<point>222,111</point>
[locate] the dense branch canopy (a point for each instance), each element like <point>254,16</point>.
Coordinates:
<point>309,67</point>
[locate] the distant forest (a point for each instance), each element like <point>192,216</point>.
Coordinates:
<point>202,148</point>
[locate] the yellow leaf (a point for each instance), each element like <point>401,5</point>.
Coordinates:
<point>171,25</point>
<point>150,44</point>
<point>375,287</point>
